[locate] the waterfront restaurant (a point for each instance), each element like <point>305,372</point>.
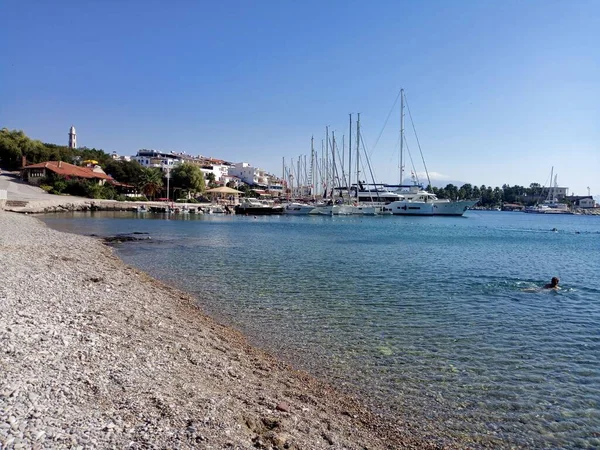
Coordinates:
<point>33,174</point>
<point>225,195</point>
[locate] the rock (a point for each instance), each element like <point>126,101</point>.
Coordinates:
<point>283,407</point>
<point>327,437</point>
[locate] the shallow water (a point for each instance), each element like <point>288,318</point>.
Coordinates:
<point>425,317</point>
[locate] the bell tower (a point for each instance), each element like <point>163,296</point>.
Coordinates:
<point>72,138</point>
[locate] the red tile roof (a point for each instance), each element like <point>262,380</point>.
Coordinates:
<point>68,170</point>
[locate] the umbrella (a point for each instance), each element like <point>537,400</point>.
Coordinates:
<point>224,190</point>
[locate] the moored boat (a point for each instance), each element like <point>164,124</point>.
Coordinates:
<point>255,207</point>
<point>298,209</point>
<point>441,206</point>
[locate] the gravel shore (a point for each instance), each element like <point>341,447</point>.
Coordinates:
<point>96,354</point>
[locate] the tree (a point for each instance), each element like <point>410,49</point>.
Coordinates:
<point>10,151</point>
<point>465,191</point>
<point>188,177</point>
<point>247,191</point>
<point>129,172</point>
<point>151,182</point>
<point>210,176</point>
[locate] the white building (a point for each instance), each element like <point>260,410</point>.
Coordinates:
<point>116,157</point>
<point>250,175</point>
<point>236,182</point>
<point>557,192</point>
<point>218,168</point>
<point>159,160</point>
<point>72,138</point>
<point>587,203</point>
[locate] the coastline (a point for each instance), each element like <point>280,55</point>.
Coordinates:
<point>99,354</point>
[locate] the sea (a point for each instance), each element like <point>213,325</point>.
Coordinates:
<point>435,322</point>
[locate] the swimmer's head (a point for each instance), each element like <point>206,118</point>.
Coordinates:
<point>554,281</point>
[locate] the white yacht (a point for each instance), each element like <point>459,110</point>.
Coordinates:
<point>409,208</point>
<point>383,201</point>
<point>335,210</point>
<point>441,206</point>
<point>298,209</point>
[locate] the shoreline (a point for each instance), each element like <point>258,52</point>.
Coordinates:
<point>85,368</point>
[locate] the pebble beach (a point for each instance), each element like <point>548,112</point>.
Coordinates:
<point>96,354</point>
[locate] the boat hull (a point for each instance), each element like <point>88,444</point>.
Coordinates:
<point>335,210</point>
<point>252,211</point>
<point>404,208</point>
<point>298,209</point>
<point>457,208</point>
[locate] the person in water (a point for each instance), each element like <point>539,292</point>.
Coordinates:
<point>553,284</point>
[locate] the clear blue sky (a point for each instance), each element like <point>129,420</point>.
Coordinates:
<point>500,91</point>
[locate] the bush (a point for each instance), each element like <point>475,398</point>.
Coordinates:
<point>46,187</point>
<point>77,187</point>
<point>108,192</point>
<point>59,187</point>
<point>121,198</point>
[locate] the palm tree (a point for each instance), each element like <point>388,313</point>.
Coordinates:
<point>151,182</point>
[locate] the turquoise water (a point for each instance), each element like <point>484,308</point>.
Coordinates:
<point>425,318</point>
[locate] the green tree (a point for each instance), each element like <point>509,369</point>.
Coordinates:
<point>10,151</point>
<point>151,182</point>
<point>128,172</point>
<point>210,177</point>
<point>248,191</point>
<point>465,191</point>
<point>188,177</point>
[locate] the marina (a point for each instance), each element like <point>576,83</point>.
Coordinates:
<point>300,225</point>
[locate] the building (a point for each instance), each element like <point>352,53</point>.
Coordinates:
<point>582,201</point>
<point>34,173</point>
<point>72,138</point>
<point>116,157</point>
<point>218,168</point>
<point>159,160</point>
<point>559,193</point>
<point>254,176</point>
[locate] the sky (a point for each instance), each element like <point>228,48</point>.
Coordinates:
<point>500,92</point>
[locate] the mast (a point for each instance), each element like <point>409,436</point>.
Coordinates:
<point>322,165</point>
<point>551,187</point>
<point>312,167</point>
<point>350,155</point>
<point>357,154</point>
<point>283,180</point>
<point>306,182</point>
<point>333,171</point>
<point>401,133</point>
<point>299,177</point>
<point>327,182</point>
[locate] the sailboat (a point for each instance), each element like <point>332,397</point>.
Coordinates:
<point>416,194</point>
<point>551,204</point>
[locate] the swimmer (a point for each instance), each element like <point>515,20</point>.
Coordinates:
<point>553,284</point>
